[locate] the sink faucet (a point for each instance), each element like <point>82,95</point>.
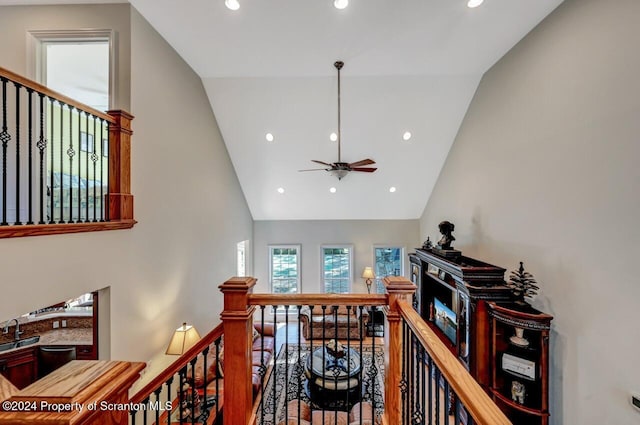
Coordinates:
<point>17,333</point>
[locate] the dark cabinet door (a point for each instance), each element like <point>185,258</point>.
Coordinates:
<point>19,367</point>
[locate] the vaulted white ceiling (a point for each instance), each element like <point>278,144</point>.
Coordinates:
<point>410,65</point>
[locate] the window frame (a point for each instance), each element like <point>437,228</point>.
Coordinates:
<point>298,248</point>
<point>378,286</point>
<point>322,264</point>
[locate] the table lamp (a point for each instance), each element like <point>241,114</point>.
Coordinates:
<point>368,275</point>
<point>183,338</point>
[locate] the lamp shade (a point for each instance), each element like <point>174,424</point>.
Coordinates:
<point>368,273</point>
<point>183,338</point>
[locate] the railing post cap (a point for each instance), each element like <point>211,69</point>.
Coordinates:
<point>399,284</point>
<point>238,284</point>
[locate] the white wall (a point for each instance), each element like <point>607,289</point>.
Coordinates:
<point>545,170</point>
<point>312,234</point>
<point>189,205</point>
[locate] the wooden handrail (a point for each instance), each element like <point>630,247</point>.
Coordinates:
<point>483,410</point>
<point>177,365</point>
<point>25,82</point>
<point>318,299</point>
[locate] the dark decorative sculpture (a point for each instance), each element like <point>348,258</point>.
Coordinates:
<point>522,284</point>
<point>446,228</point>
<point>427,244</point>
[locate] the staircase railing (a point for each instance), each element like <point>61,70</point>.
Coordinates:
<point>181,393</point>
<point>64,166</point>
<point>423,382</point>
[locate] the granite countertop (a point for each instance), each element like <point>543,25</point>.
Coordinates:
<point>64,336</point>
<point>67,336</point>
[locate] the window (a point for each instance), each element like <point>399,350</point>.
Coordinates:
<point>387,262</point>
<point>336,269</point>
<point>284,269</point>
<point>241,255</point>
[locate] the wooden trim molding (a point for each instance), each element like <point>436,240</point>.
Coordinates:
<point>59,229</point>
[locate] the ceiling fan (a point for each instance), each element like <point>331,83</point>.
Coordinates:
<point>339,168</point>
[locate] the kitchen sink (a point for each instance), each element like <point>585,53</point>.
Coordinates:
<point>20,343</point>
<point>27,341</point>
<point>7,346</point>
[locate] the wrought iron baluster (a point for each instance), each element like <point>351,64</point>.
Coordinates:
<point>192,391</point>
<point>263,367</point>
<point>205,405</point>
<point>431,377</point>
<point>107,212</point>
<point>52,151</point>
<point>182,377</point>
<point>362,328</point>
<point>286,363</point>
<point>275,366</point>
<point>70,153</point>
<point>17,86</point>
<point>299,362</point>
<point>4,138</point>
<point>438,377</point>
<point>30,137</point>
<point>447,399</point>
<point>101,170</point>
<point>80,166</point>
<point>157,409</point>
<point>61,220</point>
<point>86,167</point>
<point>169,401</point>
<point>94,158</point>
<point>42,144</point>
<point>423,383</point>
<point>144,413</point>
<point>373,370</point>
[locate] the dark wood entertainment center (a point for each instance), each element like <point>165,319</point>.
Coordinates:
<point>455,298</point>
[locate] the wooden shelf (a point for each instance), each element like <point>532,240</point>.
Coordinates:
<point>529,410</point>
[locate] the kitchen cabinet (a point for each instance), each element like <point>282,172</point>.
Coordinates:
<point>20,367</point>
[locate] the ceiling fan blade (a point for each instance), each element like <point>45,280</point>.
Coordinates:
<point>320,162</point>
<point>362,162</point>
<point>315,169</point>
<point>364,169</point>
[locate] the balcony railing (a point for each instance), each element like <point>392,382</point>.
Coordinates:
<point>64,166</point>
<point>423,383</point>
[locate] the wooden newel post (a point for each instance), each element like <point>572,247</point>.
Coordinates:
<point>237,322</point>
<point>398,288</point>
<point>120,198</point>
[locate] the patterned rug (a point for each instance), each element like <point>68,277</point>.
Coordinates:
<point>292,384</point>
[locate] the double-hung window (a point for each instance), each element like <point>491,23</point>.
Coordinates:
<point>284,269</point>
<point>337,266</point>
<point>388,261</point>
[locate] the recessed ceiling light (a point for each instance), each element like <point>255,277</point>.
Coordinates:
<point>340,4</point>
<point>474,3</point>
<point>269,137</point>
<point>332,190</point>
<point>406,135</point>
<point>281,190</point>
<point>232,4</point>
<point>333,137</point>
<point>392,189</point>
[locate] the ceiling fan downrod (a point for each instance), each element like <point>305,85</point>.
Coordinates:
<point>339,65</point>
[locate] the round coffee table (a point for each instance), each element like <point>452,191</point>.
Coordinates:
<point>333,382</point>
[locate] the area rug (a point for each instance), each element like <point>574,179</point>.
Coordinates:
<point>291,382</point>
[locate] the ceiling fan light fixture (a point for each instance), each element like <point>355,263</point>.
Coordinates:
<point>232,4</point>
<point>340,4</point>
<point>339,173</point>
